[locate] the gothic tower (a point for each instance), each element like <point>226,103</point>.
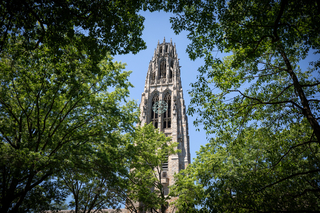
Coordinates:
<point>163,83</point>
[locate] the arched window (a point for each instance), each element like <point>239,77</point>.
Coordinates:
<point>167,114</point>
<point>154,115</point>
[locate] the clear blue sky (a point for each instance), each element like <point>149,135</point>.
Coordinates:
<point>157,26</point>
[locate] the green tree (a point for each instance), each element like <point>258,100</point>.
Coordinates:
<point>54,112</point>
<point>146,190</point>
<point>256,101</point>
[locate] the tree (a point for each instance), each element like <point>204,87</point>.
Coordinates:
<point>54,112</point>
<point>256,101</point>
<point>145,180</point>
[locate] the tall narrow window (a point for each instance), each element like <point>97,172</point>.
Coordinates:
<point>154,115</point>
<point>171,74</point>
<point>167,114</point>
<point>153,76</point>
<point>170,70</point>
<point>162,69</point>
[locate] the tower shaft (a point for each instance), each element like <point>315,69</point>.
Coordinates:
<point>163,83</point>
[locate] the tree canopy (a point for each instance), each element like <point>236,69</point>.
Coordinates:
<point>259,108</point>
<point>104,26</point>
<point>55,113</point>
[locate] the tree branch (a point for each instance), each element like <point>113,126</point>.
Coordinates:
<point>291,148</point>
<point>261,102</point>
<point>289,177</point>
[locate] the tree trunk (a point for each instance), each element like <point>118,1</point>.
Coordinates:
<point>306,108</point>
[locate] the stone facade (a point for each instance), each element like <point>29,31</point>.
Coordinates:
<point>163,83</point>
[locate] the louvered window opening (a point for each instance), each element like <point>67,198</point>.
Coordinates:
<point>165,166</point>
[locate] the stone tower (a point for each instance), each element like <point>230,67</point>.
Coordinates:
<point>163,83</point>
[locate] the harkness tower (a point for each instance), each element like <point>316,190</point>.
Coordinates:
<point>163,83</point>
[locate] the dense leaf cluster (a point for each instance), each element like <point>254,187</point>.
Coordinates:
<point>104,26</point>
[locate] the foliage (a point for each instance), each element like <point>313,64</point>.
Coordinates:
<point>97,183</point>
<point>103,26</point>
<point>262,108</point>
<point>145,189</point>
<point>55,112</point>
<point>255,172</point>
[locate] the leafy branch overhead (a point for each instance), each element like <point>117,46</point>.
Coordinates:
<point>104,26</point>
